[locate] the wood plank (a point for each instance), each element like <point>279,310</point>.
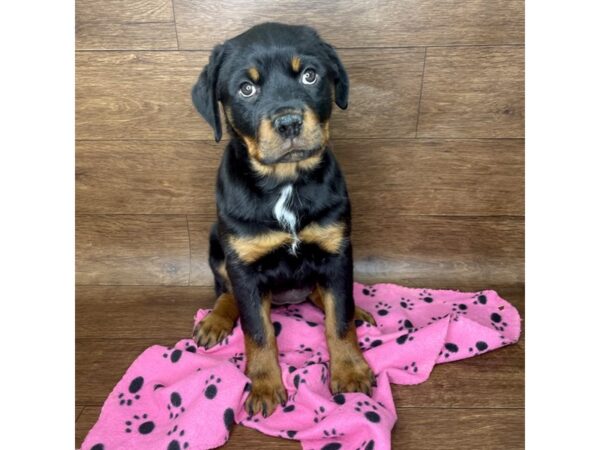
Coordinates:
<point>388,178</point>
<point>78,411</point>
<point>146,95</point>
<point>121,249</point>
<point>385,86</point>
<point>495,379</point>
<point>473,92</point>
<point>138,95</point>
<point>416,428</point>
<point>436,177</point>
<point>370,23</point>
<point>124,11</point>
<point>158,312</point>
<point>416,249</point>
<point>146,177</point>
<point>129,35</point>
<point>457,429</point>
<point>440,249</point>
<point>107,344</point>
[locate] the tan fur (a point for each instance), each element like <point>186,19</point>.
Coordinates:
<point>296,64</point>
<point>349,370</point>
<point>329,237</point>
<point>254,74</point>
<point>219,323</point>
<point>359,313</point>
<point>251,248</point>
<point>262,368</point>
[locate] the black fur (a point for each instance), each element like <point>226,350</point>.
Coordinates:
<point>245,199</point>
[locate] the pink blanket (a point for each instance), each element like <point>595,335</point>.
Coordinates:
<point>187,398</point>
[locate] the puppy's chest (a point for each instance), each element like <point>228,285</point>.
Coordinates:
<point>287,211</point>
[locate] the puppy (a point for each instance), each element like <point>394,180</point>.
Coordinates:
<point>283,230</point>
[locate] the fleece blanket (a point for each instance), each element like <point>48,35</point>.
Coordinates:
<point>184,397</point>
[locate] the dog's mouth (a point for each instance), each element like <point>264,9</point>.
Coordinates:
<point>293,155</point>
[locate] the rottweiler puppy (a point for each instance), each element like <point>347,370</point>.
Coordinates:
<point>283,230</point>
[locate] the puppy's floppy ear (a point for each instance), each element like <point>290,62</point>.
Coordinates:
<point>340,77</point>
<point>204,93</point>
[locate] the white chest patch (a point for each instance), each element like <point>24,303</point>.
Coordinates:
<point>285,216</point>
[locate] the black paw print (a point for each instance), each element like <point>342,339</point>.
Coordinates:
<point>210,387</point>
<point>173,354</point>
<point>304,349</point>
<point>289,408</point>
<point>98,447</point>
<point>404,339</point>
<point>480,347</point>
<point>298,381</point>
<point>426,296</point>
<point>134,387</point>
<point>497,322</point>
<point>277,328</point>
<point>448,349</point>
<point>288,433</point>
<point>319,414</point>
<point>332,446</point>
<point>406,303</point>
<point>292,311</point>
<point>369,291</point>
<point>175,444</point>
<point>340,399</point>
<point>367,343</point>
<point>367,445</point>
<point>382,308</point>
<point>237,359</point>
<point>480,299</point>
<point>332,433</point>
<point>175,407</point>
<point>435,319</point>
<point>368,409</point>
<point>324,373</point>
<point>228,418</point>
<point>190,347</point>
<point>411,368</point>
<point>405,324</point>
<point>145,427</point>
<point>459,309</point>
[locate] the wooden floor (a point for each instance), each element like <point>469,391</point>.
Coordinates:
<point>431,147</point>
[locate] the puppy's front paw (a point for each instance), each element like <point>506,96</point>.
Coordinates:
<point>352,376</point>
<point>212,329</point>
<point>265,394</point>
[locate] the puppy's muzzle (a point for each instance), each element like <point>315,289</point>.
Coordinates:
<point>288,126</point>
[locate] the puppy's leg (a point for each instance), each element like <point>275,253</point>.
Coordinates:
<point>262,366</point>
<point>219,323</point>
<point>349,370</point>
<point>359,313</point>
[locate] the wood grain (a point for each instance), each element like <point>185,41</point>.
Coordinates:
<point>146,95</point>
<point>199,228</point>
<point>473,92</point>
<point>121,249</point>
<point>384,93</point>
<point>140,177</point>
<point>118,24</point>
<point>439,249</point>
<point>130,35</point>
<point>347,23</point>
<point>389,178</point>
<point>160,312</point>
<point>414,176</point>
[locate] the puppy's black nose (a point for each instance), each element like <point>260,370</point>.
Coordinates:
<point>289,125</point>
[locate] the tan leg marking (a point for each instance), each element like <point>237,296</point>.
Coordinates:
<point>359,313</point>
<point>219,323</point>
<point>263,369</point>
<point>349,370</point>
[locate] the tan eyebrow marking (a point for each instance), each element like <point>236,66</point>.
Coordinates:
<point>253,74</point>
<point>296,63</point>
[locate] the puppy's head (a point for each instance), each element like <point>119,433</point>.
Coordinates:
<point>277,84</point>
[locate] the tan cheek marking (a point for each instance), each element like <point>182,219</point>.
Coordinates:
<point>254,74</point>
<point>296,63</point>
<point>329,237</point>
<point>251,249</point>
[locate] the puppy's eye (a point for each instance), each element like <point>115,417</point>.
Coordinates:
<point>309,76</point>
<point>247,89</point>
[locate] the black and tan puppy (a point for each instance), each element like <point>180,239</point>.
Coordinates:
<point>283,229</point>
